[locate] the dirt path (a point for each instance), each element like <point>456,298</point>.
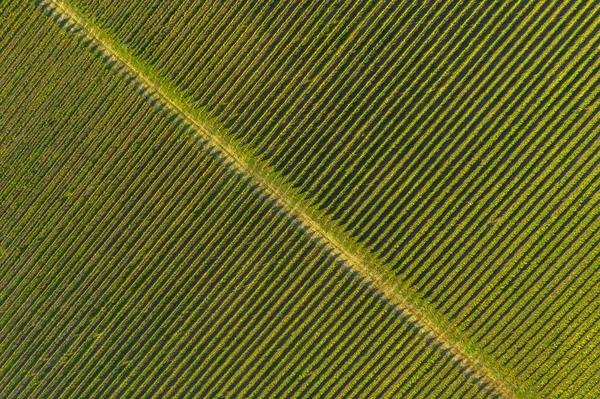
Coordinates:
<point>355,261</point>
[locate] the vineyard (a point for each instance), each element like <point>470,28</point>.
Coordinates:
<point>265,199</point>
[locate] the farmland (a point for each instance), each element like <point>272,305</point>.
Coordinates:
<point>299,199</point>
<point>138,262</point>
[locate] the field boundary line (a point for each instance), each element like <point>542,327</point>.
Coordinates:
<point>357,261</point>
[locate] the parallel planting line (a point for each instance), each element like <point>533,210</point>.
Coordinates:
<point>358,262</point>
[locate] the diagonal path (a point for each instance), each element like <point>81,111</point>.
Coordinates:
<point>355,260</point>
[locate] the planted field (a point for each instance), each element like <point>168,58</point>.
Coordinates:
<point>457,141</point>
<point>299,199</point>
<point>137,261</point>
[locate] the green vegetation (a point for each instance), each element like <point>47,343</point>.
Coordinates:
<point>139,262</point>
<point>315,199</point>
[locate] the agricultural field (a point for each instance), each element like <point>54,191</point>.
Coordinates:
<point>265,199</point>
